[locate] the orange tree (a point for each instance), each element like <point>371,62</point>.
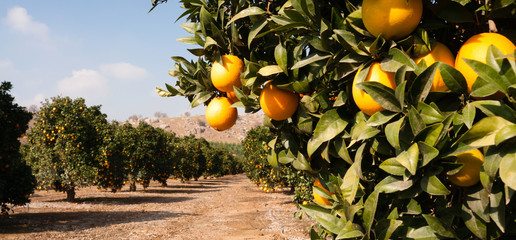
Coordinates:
<point>260,171</point>
<point>16,179</point>
<point>190,159</point>
<point>113,170</point>
<point>64,144</point>
<point>367,123</point>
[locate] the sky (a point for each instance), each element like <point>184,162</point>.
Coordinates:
<point>111,53</point>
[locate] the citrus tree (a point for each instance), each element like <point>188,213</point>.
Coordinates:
<point>403,109</point>
<point>259,170</point>
<point>16,179</point>
<point>114,166</point>
<point>64,143</point>
<point>191,160</point>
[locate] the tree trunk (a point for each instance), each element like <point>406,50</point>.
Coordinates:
<point>132,187</point>
<point>70,194</point>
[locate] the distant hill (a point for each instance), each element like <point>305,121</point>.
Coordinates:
<point>197,126</point>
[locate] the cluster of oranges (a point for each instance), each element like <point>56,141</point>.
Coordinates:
<point>395,19</point>
<point>276,103</point>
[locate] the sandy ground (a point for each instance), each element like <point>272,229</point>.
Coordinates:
<point>229,207</point>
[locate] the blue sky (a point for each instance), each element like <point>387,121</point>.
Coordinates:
<point>112,53</point>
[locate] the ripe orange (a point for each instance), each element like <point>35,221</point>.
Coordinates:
<point>439,53</point>
<point>226,75</point>
<point>317,197</point>
<point>393,19</point>
<point>469,174</point>
<point>362,99</point>
<point>277,103</point>
<point>476,48</point>
<point>231,95</point>
<point>220,115</point>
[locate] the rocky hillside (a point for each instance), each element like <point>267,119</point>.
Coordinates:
<point>197,126</point>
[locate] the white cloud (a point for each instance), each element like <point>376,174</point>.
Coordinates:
<point>19,20</point>
<point>6,64</point>
<point>125,71</point>
<point>85,83</point>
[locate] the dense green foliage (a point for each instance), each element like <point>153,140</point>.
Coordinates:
<point>64,144</point>
<point>16,179</point>
<point>72,145</point>
<point>387,172</point>
<point>267,177</point>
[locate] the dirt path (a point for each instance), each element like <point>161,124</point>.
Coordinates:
<point>225,208</point>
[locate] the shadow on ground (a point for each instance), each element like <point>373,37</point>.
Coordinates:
<point>127,200</point>
<point>76,221</point>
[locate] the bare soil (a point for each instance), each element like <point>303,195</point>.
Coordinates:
<point>229,207</point>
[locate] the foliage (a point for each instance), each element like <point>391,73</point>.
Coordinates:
<point>259,171</point>
<point>113,170</point>
<point>64,144</point>
<point>16,179</point>
<point>387,172</point>
<point>191,161</point>
<point>220,162</point>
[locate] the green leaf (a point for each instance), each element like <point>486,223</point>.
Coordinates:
<point>310,59</point>
<point>342,150</point>
<point>270,70</point>
<point>508,170</point>
<point>370,206</point>
<point>381,94</point>
<point>439,227</point>
<point>425,232</point>
<point>361,131</point>
<point>433,186</point>
<point>475,225</point>
<point>416,121</point>
<point>386,228</point>
<point>187,40</point>
<point>380,118</point>
<point>490,75</point>
<point>329,126</point>
<point>453,79</point>
<point>163,93</point>
<point>409,158</point>
<point>430,134</point>
<point>429,114</point>
<point>483,133</point>
<point>428,151</point>
<point>201,98</point>
<point>397,59</point>
<point>350,230</point>
<point>423,83</point>
<point>392,132</point>
<point>257,27</point>
<point>301,163</point>
<point>497,208</point>
<point>391,184</point>
<point>350,183</point>
<point>495,108</point>
<point>506,133</point>
<point>251,11</point>
<point>393,167</point>
<point>281,56</point>
<point>468,115</point>
<point>413,208</point>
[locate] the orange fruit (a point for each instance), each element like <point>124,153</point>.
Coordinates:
<point>439,53</point>
<point>363,100</point>
<point>220,115</point>
<point>393,19</point>
<point>469,174</point>
<point>476,48</point>
<point>231,95</point>
<point>226,75</point>
<point>317,197</point>
<point>277,103</point>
